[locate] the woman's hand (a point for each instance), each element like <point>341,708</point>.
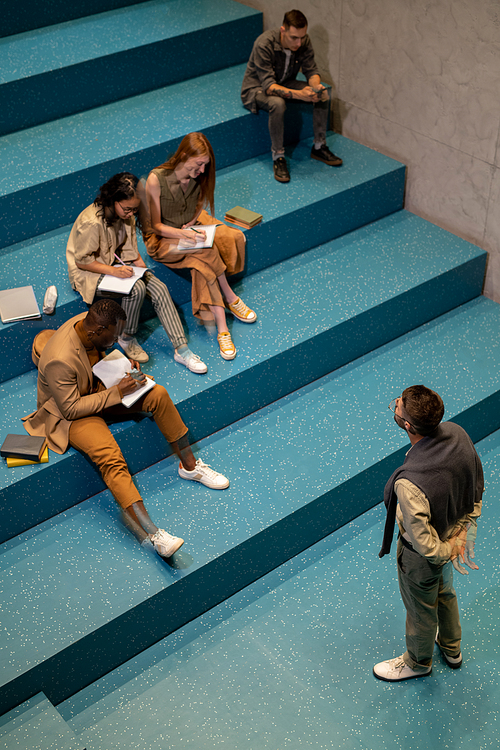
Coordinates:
<point>122,272</point>
<point>195,235</point>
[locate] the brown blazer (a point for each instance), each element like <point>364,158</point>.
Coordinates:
<point>64,388</point>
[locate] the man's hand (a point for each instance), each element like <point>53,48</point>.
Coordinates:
<point>462,551</point>
<point>307,94</point>
<point>135,365</point>
<point>127,385</point>
<point>321,93</point>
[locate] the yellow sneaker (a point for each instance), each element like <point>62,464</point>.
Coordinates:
<point>227,348</point>
<point>242,312</point>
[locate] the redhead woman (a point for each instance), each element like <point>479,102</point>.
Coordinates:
<point>103,240</point>
<point>178,191</point>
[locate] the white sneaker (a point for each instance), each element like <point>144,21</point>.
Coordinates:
<point>165,544</point>
<point>133,349</point>
<point>204,474</point>
<point>396,669</point>
<point>191,361</point>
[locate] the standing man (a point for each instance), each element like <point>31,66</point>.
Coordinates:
<point>270,82</point>
<point>73,406</point>
<point>436,497</point>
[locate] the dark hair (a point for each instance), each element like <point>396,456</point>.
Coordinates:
<point>106,312</point>
<point>425,408</point>
<point>197,144</point>
<point>294,18</point>
<point>120,187</point>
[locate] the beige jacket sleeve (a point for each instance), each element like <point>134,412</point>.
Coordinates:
<point>64,388</point>
<point>62,379</point>
<point>91,239</point>
<point>414,518</point>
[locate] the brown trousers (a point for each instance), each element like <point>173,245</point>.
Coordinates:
<point>92,436</point>
<point>226,255</point>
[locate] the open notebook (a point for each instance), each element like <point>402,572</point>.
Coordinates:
<point>113,368</point>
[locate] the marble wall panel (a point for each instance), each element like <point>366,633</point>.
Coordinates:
<point>492,240</point>
<point>432,66</point>
<point>444,185</point>
<point>419,80</point>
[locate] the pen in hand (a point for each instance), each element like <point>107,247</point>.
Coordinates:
<point>130,270</point>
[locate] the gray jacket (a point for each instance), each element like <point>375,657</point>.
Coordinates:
<point>267,65</point>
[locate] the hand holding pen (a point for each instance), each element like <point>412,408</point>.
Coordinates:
<point>122,271</point>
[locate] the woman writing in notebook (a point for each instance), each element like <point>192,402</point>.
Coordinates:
<point>177,192</point>
<point>102,241</point>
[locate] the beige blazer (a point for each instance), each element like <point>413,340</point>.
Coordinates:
<point>91,239</point>
<point>64,388</point>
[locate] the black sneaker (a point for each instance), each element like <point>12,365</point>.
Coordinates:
<point>325,155</point>
<point>281,170</point>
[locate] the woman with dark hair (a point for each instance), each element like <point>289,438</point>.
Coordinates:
<point>177,193</point>
<point>103,240</point>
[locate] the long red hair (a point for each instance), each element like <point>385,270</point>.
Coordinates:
<point>197,144</point>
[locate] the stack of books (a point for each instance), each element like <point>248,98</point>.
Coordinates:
<point>242,217</point>
<point>22,450</point>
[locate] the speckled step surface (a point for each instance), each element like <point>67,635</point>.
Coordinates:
<point>287,661</point>
<point>297,217</point>
<point>37,725</point>
<point>74,66</point>
<point>31,14</point>
<point>48,172</point>
<point>316,311</point>
<point>299,469</point>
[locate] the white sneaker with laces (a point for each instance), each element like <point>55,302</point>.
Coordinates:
<point>394,670</point>
<point>164,543</point>
<point>204,474</point>
<point>133,349</point>
<point>191,361</point>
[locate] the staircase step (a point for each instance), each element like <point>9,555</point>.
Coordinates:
<point>288,641</point>
<point>27,15</point>
<point>310,324</point>
<point>294,221</point>
<point>36,725</point>
<point>50,171</point>
<point>71,67</point>
<point>299,469</point>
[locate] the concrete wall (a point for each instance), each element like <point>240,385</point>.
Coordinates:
<point>419,80</point>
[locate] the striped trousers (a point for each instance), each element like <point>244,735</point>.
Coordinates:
<point>163,306</point>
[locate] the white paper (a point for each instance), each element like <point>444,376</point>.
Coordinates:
<point>209,230</point>
<point>113,368</point>
<point>111,283</point>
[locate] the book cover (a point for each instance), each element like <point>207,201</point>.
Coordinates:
<point>25,462</point>
<point>27,447</point>
<point>241,223</point>
<point>244,215</point>
<point>18,304</point>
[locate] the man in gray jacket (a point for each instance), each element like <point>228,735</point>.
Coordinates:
<point>435,496</point>
<point>270,82</point>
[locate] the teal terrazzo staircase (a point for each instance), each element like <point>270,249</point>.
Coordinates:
<point>37,725</point>
<point>332,324</point>
<point>356,299</point>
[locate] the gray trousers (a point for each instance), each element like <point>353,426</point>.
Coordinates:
<point>431,603</point>
<point>163,306</point>
<point>276,107</point>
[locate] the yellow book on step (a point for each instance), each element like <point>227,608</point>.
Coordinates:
<point>24,461</point>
